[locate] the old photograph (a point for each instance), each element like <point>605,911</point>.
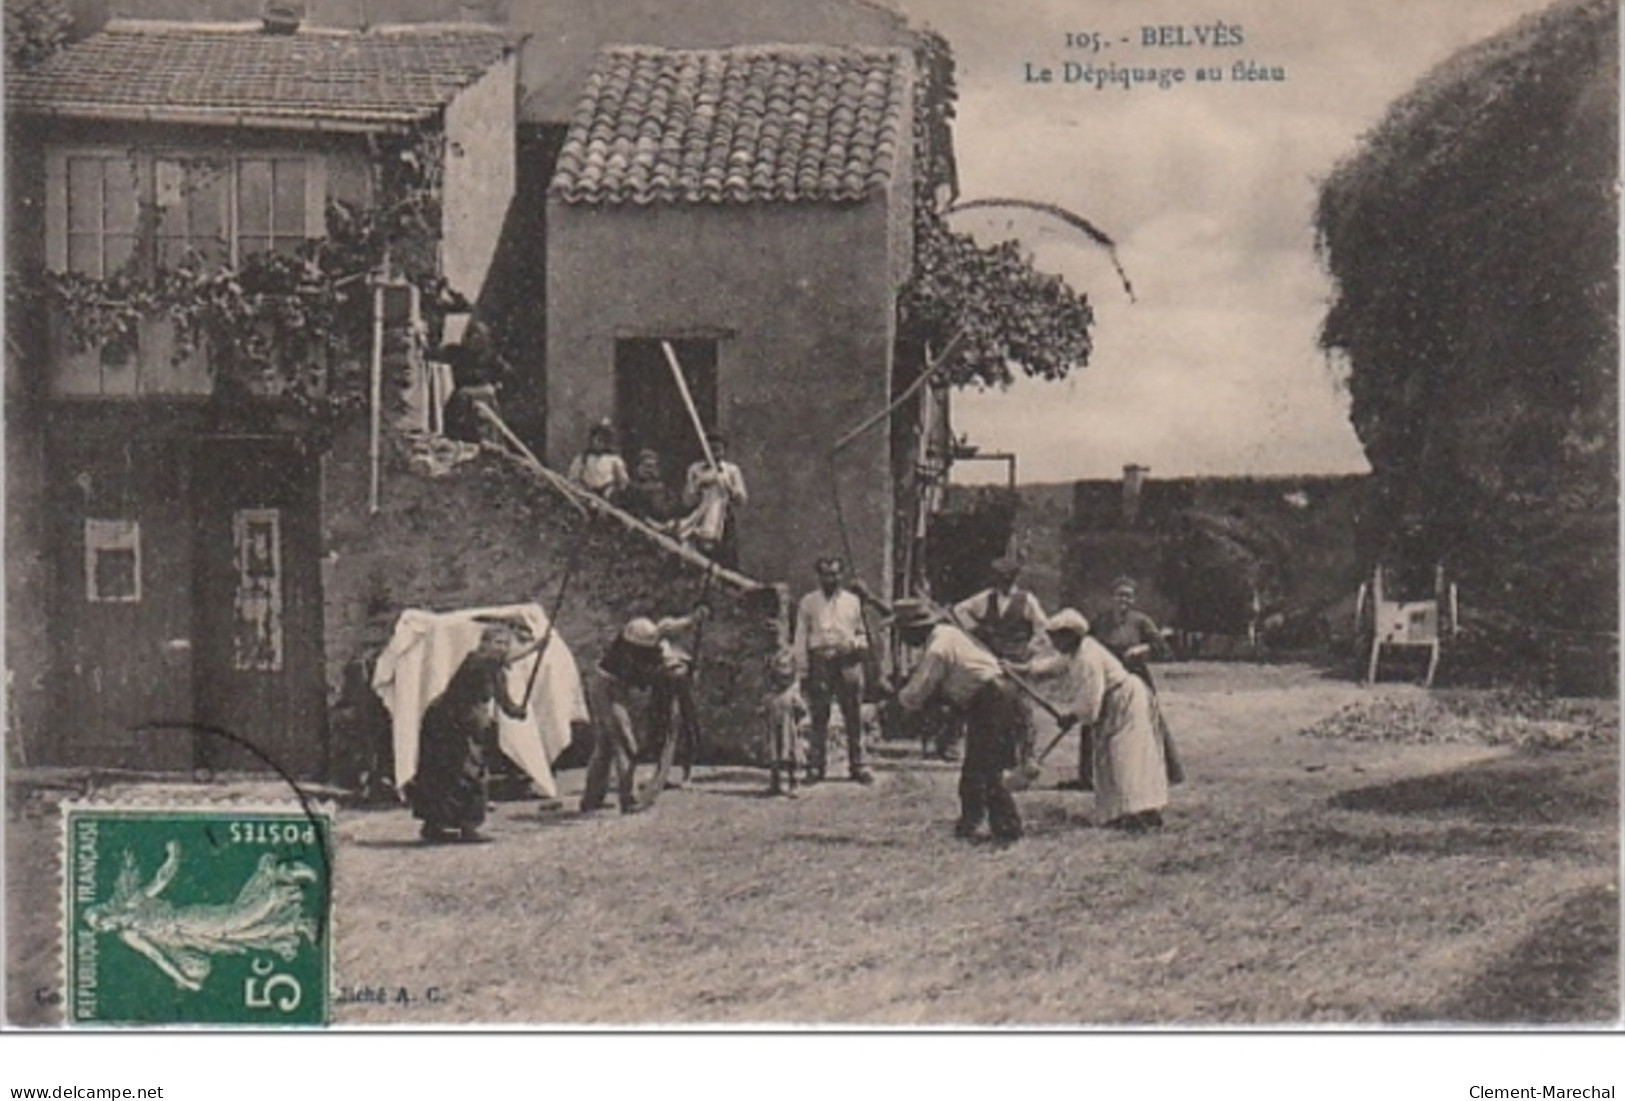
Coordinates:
<point>865,514</point>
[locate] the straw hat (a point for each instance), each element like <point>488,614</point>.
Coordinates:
<point>912,613</point>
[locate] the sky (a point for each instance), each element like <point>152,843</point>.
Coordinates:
<point>1208,190</point>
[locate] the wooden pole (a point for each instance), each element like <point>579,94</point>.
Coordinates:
<point>909,391</point>
<point>376,399</point>
<point>688,402</point>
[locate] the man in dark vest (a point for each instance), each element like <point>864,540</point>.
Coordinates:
<point>1006,619</point>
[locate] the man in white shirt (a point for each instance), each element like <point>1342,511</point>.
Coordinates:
<point>831,645</point>
<point>954,668</point>
<point>714,492</point>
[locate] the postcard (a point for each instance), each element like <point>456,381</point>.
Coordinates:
<point>866,514</point>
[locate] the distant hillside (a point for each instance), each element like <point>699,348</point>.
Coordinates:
<point>1046,509</point>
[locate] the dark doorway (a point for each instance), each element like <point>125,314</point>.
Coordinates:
<point>649,409</point>
<point>258,614</point>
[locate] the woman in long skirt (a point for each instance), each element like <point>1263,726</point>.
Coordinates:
<point>459,734</point>
<point>1130,768</point>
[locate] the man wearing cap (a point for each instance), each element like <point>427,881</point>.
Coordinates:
<point>956,669</point>
<point>831,644</point>
<point>628,674</point>
<point>1005,617</point>
<point>714,492</point>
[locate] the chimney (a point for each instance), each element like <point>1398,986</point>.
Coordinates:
<point>282,16</point>
<point>1133,482</point>
<point>89,16</point>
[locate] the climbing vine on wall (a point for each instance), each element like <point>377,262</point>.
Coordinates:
<point>989,302</point>
<point>293,326</point>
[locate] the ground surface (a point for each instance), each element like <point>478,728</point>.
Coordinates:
<point>1299,880</point>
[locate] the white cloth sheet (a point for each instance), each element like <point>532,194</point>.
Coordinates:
<point>424,653</point>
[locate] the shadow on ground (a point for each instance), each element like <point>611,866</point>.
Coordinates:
<point>1366,847</point>
<point>1532,788</point>
<point>1567,970</point>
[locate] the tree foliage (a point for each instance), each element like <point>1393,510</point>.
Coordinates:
<point>1004,312</point>
<point>1224,568</point>
<point>1472,244</point>
<point>35,29</point>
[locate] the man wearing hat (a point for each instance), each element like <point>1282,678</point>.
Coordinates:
<point>955,669</point>
<point>831,645</point>
<point>1006,618</point>
<point>626,676</point>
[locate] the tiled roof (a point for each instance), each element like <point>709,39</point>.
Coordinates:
<point>743,125</point>
<point>185,74</point>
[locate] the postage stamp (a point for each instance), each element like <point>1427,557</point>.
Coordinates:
<point>206,915</point>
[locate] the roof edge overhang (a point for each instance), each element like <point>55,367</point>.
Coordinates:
<point>709,203</point>
<point>369,123</point>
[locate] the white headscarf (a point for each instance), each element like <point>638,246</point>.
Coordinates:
<point>1068,619</point>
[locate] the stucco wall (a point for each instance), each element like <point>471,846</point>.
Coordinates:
<point>803,294</point>
<point>485,534</point>
<point>479,180</point>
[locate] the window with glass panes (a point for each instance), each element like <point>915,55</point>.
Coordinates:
<point>193,198</point>
<point>270,205</point>
<point>224,208</point>
<point>101,213</point>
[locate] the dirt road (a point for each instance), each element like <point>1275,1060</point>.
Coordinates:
<point>1297,881</point>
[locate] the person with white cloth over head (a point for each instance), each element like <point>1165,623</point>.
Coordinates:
<point>459,734</point>
<point>424,654</point>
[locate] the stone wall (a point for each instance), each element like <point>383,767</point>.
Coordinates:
<point>488,533</point>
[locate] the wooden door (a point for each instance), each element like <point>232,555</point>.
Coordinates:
<point>257,593</point>
<point>121,599</point>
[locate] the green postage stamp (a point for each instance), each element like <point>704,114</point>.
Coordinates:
<point>205,915</point>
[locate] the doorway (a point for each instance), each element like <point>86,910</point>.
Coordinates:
<point>186,589</point>
<point>257,597</point>
<point>649,410</point>
<point>121,645</point>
